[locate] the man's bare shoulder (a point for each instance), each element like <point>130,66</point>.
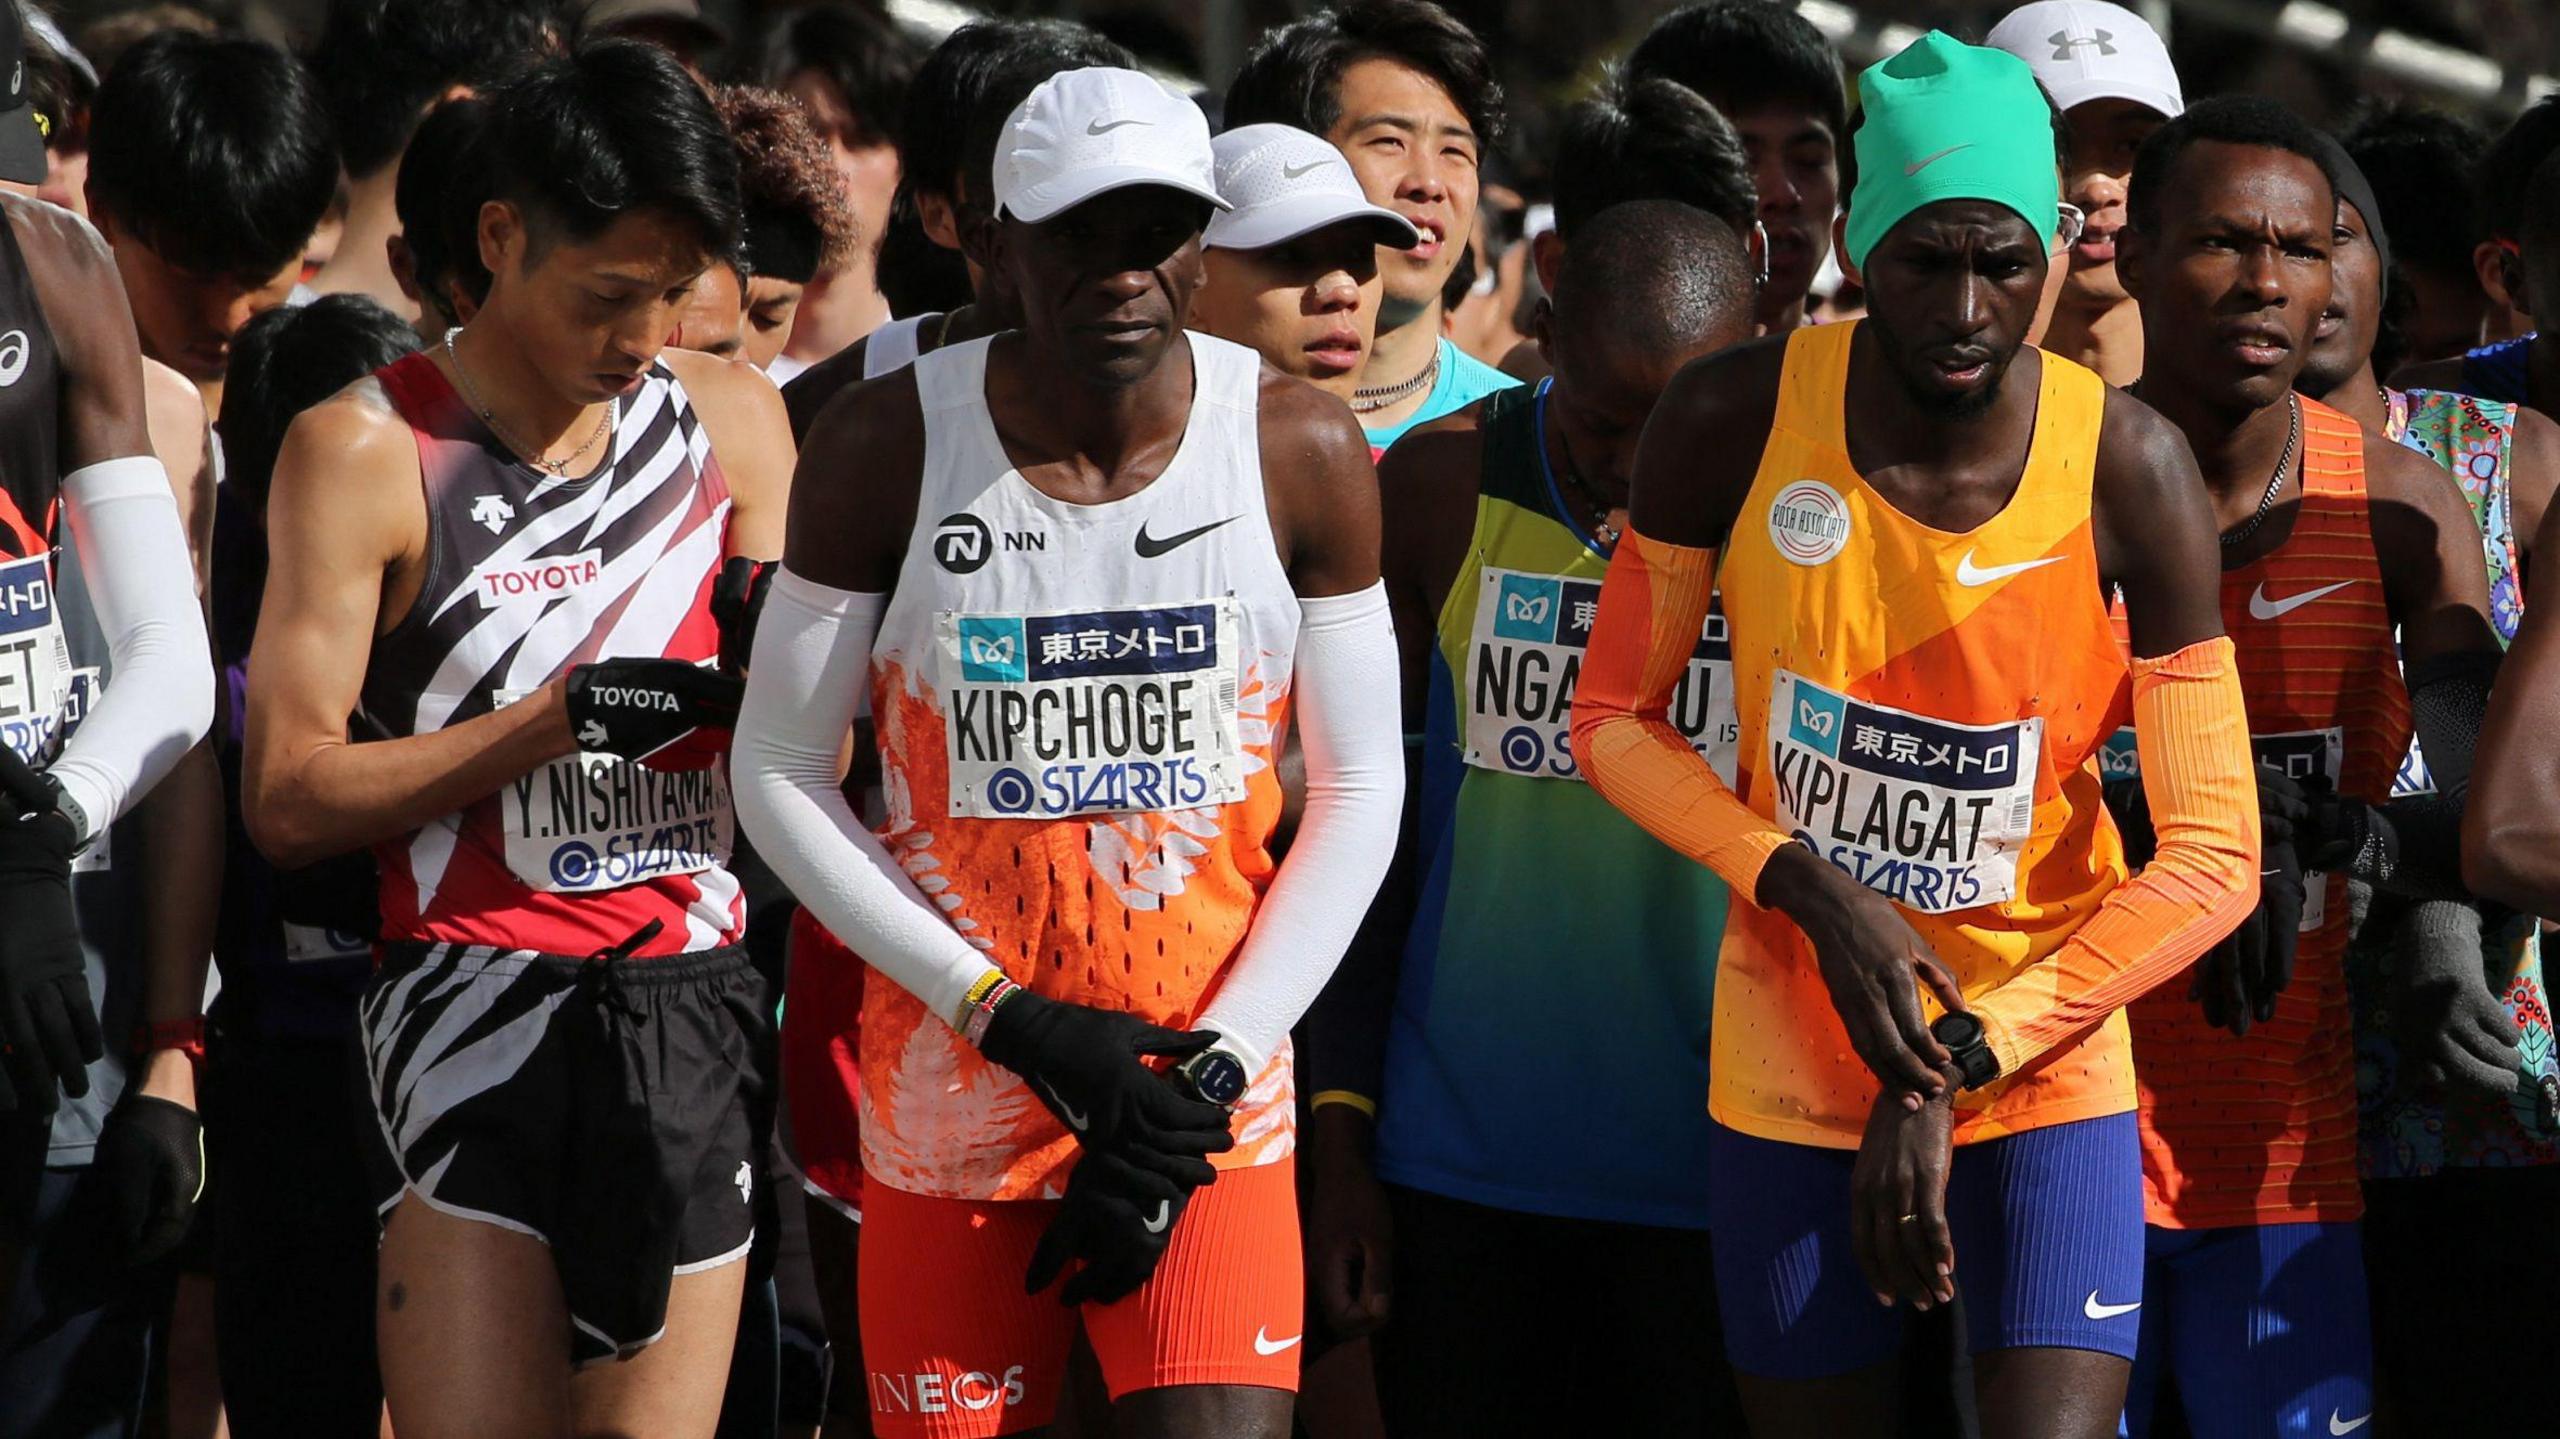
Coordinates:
<point>175,406</point>
<point>719,386</point>
<point>52,237</point>
<point>807,393</point>
<point>355,434</point>
<point>1298,418</point>
<point>2140,452</point>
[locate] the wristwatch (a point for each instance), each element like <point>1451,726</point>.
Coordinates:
<point>1213,1076</point>
<point>1961,1033</point>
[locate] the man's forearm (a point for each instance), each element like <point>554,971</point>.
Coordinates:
<point>338,796</point>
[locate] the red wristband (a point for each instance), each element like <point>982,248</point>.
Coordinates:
<point>184,1035</point>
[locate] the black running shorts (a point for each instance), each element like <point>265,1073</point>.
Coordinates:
<point>617,1110</point>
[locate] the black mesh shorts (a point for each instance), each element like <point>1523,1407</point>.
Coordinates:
<point>617,1110</point>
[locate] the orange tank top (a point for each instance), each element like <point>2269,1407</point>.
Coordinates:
<point>2261,1129</point>
<point>1923,708</point>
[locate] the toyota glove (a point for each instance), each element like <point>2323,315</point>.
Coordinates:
<point>668,714</point>
<point>48,1025</point>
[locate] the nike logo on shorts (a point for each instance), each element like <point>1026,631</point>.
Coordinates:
<point>1149,547</point>
<point>1264,1344</point>
<point>2347,1426</point>
<point>2262,608</point>
<point>1923,163</point>
<point>2096,1310</point>
<point>1970,574</point>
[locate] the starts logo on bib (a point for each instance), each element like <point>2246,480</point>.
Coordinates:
<point>1809,522</point>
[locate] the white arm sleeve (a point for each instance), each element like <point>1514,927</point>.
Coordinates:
<point>1351,727</point>
<point>133,555</point>
<point>812,658</point>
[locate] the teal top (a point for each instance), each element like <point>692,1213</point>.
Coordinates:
<point>1464,379</point>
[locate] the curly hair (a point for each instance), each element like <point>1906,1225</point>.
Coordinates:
<point>799,222</point>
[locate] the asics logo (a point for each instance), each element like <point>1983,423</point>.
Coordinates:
<point>2097,1310</point>
<point>1100,127</point>
<point>1530,609</point>
<point>2263,608</point>
<point>1925,161</point>
<point>1972,575</point>
<point>2063,42</point>
<point>1149,547</point>
<point>1066,1111</point>
<point>2347,1426</point>
<point>1264,1344</point>
<point>1813,718</point>
<point>1163,1217</point>
<point>13,350</point>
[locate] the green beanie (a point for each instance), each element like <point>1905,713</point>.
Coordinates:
<point>1944,120</point>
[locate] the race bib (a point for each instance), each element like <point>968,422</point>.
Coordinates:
<point>1090,711</point>
<point>36,675</point>
<point>2300,754</point>
<point>1525,658</point>
<point>1931,815</point>
<point>592,822</point>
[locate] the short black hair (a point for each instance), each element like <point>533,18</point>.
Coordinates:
<point>289,359</point>
<point>1293,76</point>
<point>381,63</point>
<point>2539,234</point>
<point>983,69</point>
<point>1647,138</point>
<point>1657,273</point>
<point>441,186</point>
<point>579,140</point>
<point>2418,160</point>
<point>2504,172</point>
<point>216,152</point>
<point>2227,120</point>
<point>869,58</point>
<point>1747,52</point>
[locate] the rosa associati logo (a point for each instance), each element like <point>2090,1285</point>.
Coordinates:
<point>499,584</point>
<point>1809,522</point>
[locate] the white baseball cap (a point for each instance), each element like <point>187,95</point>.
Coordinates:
<point>2087,50</point>
<point>1084,133</point>
<point>1285,183</point>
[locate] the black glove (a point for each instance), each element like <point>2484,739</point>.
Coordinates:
<point>147,1176</point>
<point>48,1026</point>
<point>737,602</point>
<point>1118,1219</point>
<point>2130,806</point>
<point>2344,835</point>
<point>1086,1065</point>
<point>2454,1031</point>
<point>2237,980</point>
<point>634,708</point>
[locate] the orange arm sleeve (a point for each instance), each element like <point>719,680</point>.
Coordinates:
<point>1652,607</point>
<point>2199,886</point>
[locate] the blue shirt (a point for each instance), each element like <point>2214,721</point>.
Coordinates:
<point>1464,379</point>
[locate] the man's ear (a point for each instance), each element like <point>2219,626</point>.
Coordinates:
<point>2133,259</point>
<point>501,233</point>
<point>1547,254</point>
<point>1840,248</point>
<point>941,221</point>
<point>404,267</point>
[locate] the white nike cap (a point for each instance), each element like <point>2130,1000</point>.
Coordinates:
<point>1285,183</point>
<point>1084,133</point>
<point>2087,50</point>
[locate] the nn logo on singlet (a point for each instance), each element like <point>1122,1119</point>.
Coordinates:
<point>502,583</point>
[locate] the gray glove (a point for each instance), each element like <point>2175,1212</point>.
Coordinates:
<point>2453,1028</point>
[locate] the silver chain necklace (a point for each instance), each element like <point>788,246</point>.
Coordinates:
<point>1369,401</point>
<point>2232,539</point>
<point>531,454</point>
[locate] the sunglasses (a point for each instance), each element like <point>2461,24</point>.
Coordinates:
<point>2066,233</point>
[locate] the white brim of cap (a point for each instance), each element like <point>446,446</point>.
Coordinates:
<point>1287,219</point>
<point>2107,87</point>
<point>1046,201</point>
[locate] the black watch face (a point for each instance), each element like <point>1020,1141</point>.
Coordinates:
<point>1957,1030</point>
<point>1218,1077</point>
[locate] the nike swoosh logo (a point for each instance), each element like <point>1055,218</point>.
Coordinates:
<point>1066,1111</point>
<point>1149,547</point>
<point>1263,1343</point>
<point>1164,1216</point>
<point>1916,166</point>
<point>2262,608</point>
<point>2096,1310</point>
<point>1968,573</point>
<point>2347,1426</point>
<point>1301,172</point>
<point>1099,128</point>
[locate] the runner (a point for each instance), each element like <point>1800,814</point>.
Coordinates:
<point>2512,196</point>
<point>2456,1076</point>
<point>442,185</point>
<point>1100,424</point>
<point>2419,162</point>
<point>1476,1053</point>
<point>1407,92</point>
<point>798,224</point>
<point>2107,69</point>
<point>293,1257</point>
<point>381,66</point>
<point>1766,69</point>
<point>496,555</point>
<point>1291,272</point>
<point>2255,1288</point>
<point>714,321</point>
<point>1937,748</point>
<point>956,108</point>
<point>183,116</point>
